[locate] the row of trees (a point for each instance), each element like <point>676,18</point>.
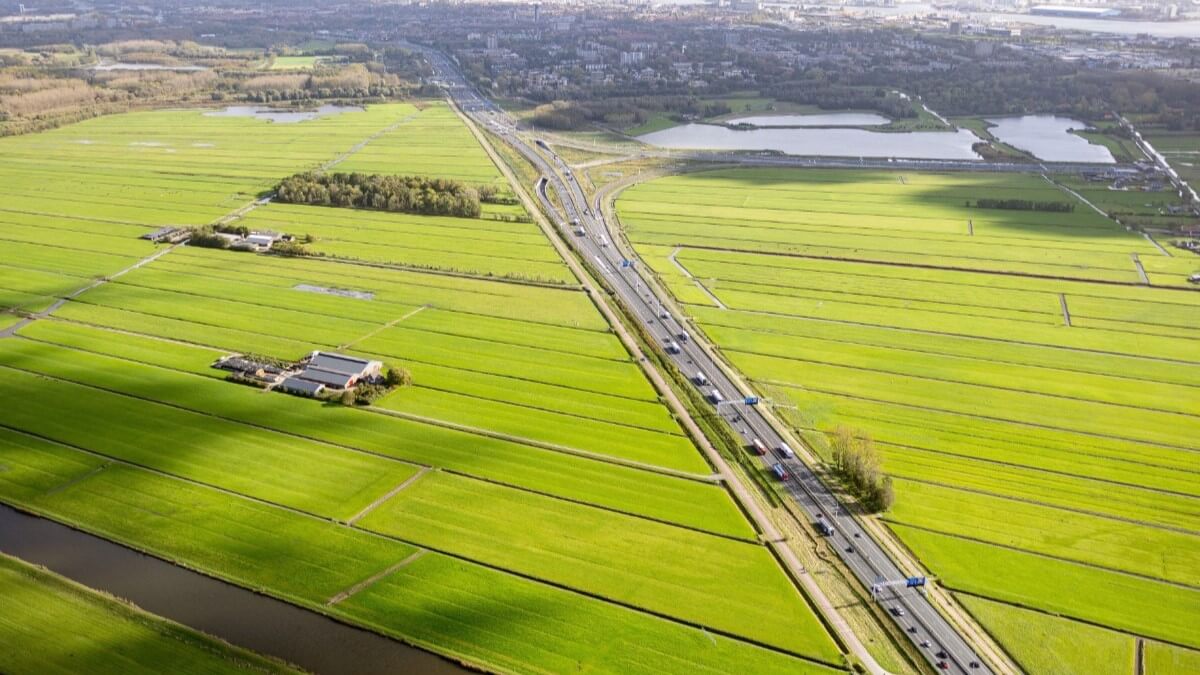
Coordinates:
<point>857,461</point>
<point>834,97</point>
<point>405,194</point>
<point>1023,205</point>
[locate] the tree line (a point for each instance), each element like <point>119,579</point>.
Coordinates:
<point>1023,205</point>
<point>857,461</point>
<point>403,194</point>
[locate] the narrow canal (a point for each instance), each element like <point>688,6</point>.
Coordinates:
<point>241,617</point>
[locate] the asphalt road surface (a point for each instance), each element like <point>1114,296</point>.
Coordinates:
<point>920,621</point>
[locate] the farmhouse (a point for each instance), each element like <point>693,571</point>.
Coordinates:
<point>338,371</point>
<point>265,372</point>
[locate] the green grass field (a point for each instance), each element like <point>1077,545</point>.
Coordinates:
<point>532,482</point>
<point>298,62</point>
<point>51,625</point>
<point>1035,401</point>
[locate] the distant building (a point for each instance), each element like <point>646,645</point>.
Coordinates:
<point>1076,12</point>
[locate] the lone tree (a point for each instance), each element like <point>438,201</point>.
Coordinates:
<point>397,377</point>
<point>857,461</point>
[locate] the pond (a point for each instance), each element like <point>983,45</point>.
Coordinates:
<point>283,116</point>
<point>1047,137</point>
<point>310,640</point>
<point>843,119</point>
<point>821,142</point>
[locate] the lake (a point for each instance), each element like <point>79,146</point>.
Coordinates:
<point>283,116</point>
<point>1046,137</point>
<point>844,119</point>
<point>823,142</point>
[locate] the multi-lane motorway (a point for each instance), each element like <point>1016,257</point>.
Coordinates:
<point>934,636</point>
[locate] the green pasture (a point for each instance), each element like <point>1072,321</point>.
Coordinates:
<point>1044,644</point>
<point>1120,601</point>
<point>263,547</point>
<point>113,420</point>
<point>245,413</point>
<point>1032,451</point>
<point>634,562</point>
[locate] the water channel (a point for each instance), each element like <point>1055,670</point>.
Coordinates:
<point>282,116</point>
<point>241,617</point>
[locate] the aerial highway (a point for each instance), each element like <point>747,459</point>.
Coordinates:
<point>597,244</point>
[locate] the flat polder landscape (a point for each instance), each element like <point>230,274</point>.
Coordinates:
<point>1030,378</point>
<point>529,474</point>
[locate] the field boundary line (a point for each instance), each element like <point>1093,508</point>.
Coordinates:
<point>1091,434</point>
<point>57,304</point>
<point>927,266</point>
<point>1067,617</point>
<point>690,623</point>
<point>1139,656</point>
<point>694,280</point>
<point>321,344</point>
<point>388,495</point>
<point>77,479</point>
<point>1078,196</point>
<point>1049,556</point>
<point>978,637</point>
<point>609,459</point>
<point>1026,467</point>
<point>367,141</point>
<point>1034,502</point>
<point>406,462</point>
<point>611,509</point>
<point>919,331</point>
<point>1137,263</point>
<point>382,328</point>
<point>925,378</point>
<point>624,425</point>
<point>918,350</point>
<point>417,269</point>
<point>371,580</point>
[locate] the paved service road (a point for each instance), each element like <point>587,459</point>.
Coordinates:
<point>920,621</point>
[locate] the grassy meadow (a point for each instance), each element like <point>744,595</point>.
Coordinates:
<point>1033,397</point>
<point>548,494</point>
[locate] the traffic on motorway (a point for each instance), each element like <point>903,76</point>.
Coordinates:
<point>901,594</point>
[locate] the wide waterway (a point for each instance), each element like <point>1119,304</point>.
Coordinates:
<point>1048,138</point>
<point>820,142</point>
<point>241,617</point>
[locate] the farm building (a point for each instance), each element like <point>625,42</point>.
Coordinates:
<point>295,385</point>
<point>241,365</point>
<point>338,371</point>
<point>168,234</point>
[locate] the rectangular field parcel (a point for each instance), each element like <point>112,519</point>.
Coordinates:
<point>1037,401</point>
